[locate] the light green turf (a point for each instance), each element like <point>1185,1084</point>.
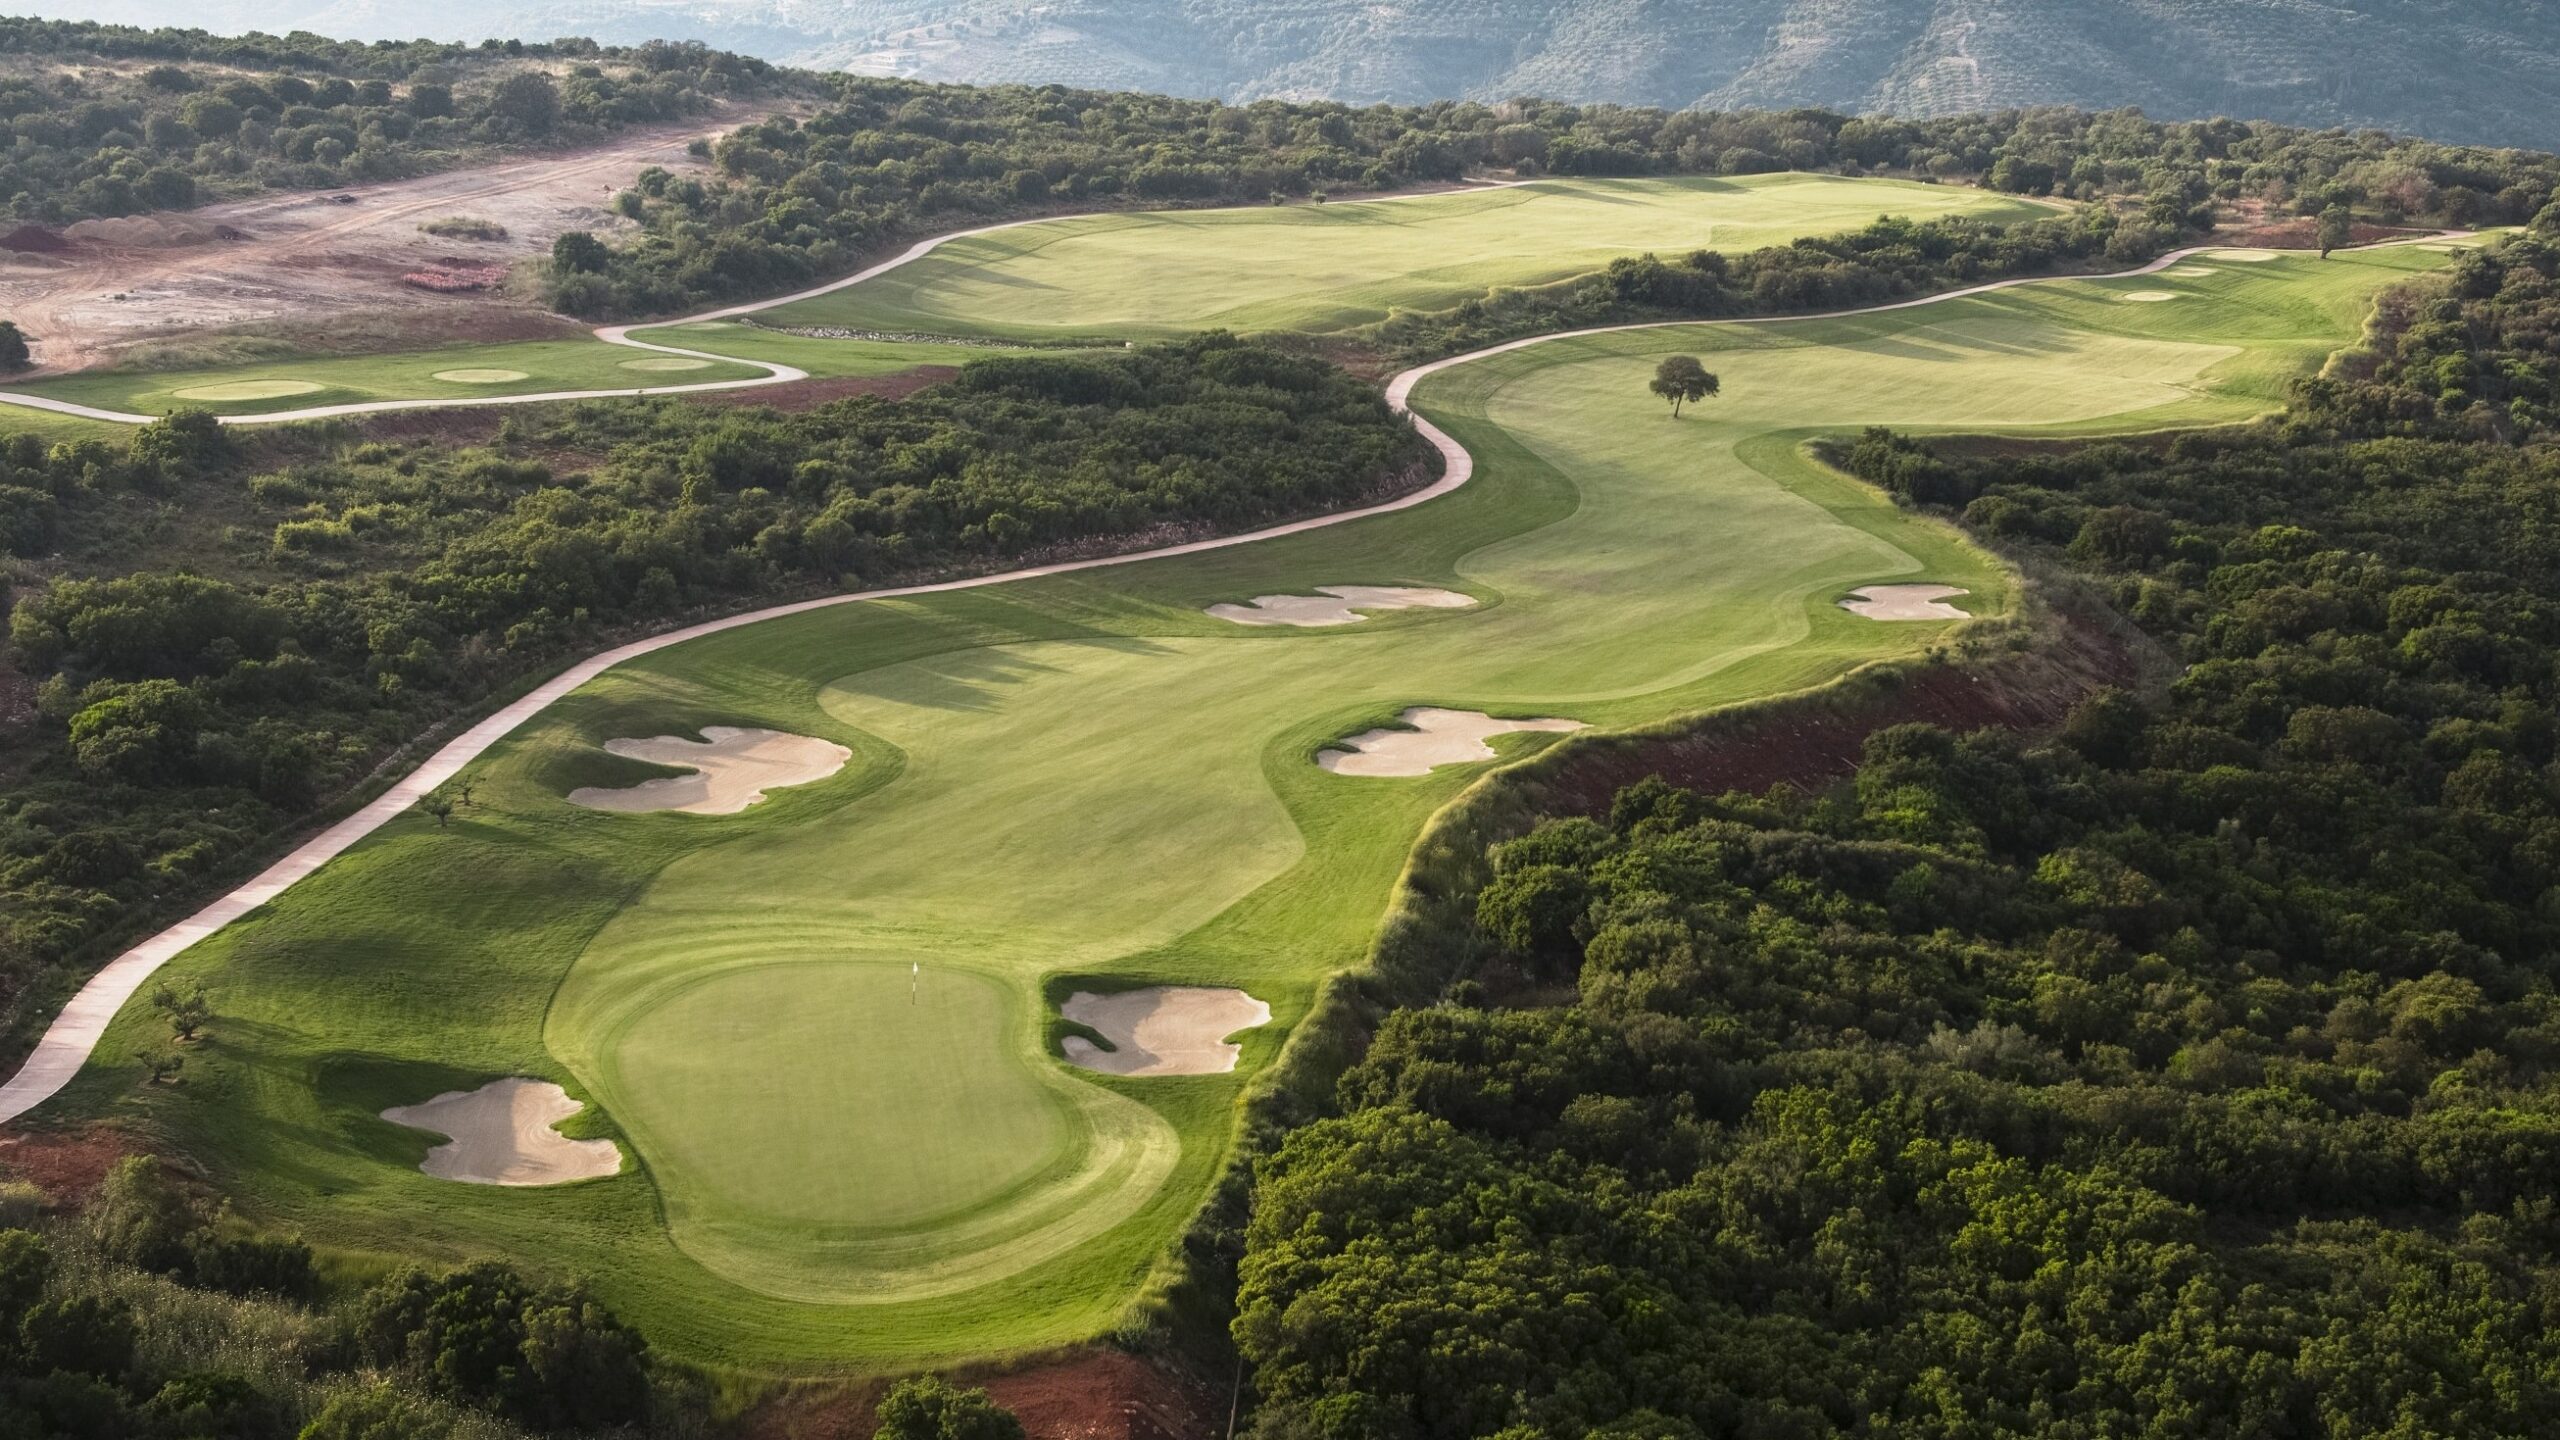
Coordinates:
<point>537,367</point>
<point>824,359</point>
<point>1322,268</point>
<point>1086,776</point>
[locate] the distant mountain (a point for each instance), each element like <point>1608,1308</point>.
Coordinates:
<point>2483,71</point>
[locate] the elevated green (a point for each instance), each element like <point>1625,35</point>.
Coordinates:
<point>1085,775</point>
<point>1322,268</point>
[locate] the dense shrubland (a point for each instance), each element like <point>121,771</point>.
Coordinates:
<point>2194,1070</point>
<point>798,200</point>
<point>341,597</point>
<point>112,1325</point>
<point>119,120</point>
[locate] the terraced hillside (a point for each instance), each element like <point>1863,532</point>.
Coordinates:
<point>2483,71</point>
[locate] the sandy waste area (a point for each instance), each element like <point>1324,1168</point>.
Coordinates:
<point>300,255</point>
<point>732,769</point>
<point>1904,602</point>
<point>1162,1030</point>
<point>1437,737</point>
<point>501,1134</point>
<point>1339,605</point>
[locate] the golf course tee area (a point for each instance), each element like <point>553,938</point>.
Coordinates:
<point>821,1026</point>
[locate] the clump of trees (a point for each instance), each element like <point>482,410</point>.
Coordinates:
<point>931,1408</point>
<point>103,1333</point>
<point>191,701</point>
<point>2189,1061</point>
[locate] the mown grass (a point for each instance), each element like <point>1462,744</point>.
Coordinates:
<point>1325,268</point>
<point>1086,775</point>
<point>543,365</point>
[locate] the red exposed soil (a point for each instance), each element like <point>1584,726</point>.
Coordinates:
<point>65,1164</point>
<point>1093,1394</point>
<point>1812,740</point>
<point>1109,1395</point>
<point>34,240</point>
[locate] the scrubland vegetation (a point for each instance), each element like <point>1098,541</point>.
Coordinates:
<point>2193,1063</point>
<point>115,121</point>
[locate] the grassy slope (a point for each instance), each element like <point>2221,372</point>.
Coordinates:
<point>1322,268</point>
<point>1084,775</point>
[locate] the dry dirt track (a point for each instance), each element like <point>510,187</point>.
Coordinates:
<point>303,257</point>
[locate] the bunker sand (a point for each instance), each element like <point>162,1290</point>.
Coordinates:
<point>1437,737</point>
<point>1339,605</point>
<point>733,768</point>
<point>1905,602</point>
<point>1162,1030</point>
<point>501,1134</point>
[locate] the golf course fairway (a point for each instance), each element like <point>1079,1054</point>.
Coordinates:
<point>820,1027</point>
<point>1321,268</point>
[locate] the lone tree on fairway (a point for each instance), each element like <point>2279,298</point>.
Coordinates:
<point>2337,227</point>
<point>1681,379</point>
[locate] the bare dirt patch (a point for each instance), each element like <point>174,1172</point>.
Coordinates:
<point>501,1134</point>
<point>1339,605</point>
<point>732,768</point>
<point>1812,739</point>
<point>1904,602</point>
<point>299,255</point>
<point>1434,737</point>
<point>65,1164</point>
<point>1162,1030</point>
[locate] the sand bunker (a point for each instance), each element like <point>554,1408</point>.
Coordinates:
<point>1339,605</point>
<point>666,362</point>
<point>1904,602</point>
<point>501,1134</point>
<point>2148,297</point>
<point>480,377</point>
<point>1163,1030</point>
<point>732,770</point>
<point>2249,257</point>
<point>1438,737</point>
<point>2191,272</point>
<point>249,390</point>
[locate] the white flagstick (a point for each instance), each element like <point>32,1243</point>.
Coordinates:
<point>912,977</point>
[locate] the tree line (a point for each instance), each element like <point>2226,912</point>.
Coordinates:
<point>796,200</point>
<point>2193,1069</point>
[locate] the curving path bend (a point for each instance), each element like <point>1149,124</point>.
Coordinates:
<point>74,1034</point>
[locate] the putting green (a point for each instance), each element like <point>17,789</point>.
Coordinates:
<point>1329,267</point>
<point>250,390</point>
<point>666,362</point>
<point>480,377</point>
<point>1086,775</point>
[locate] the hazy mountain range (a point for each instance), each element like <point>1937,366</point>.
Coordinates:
<point>2472,70</point>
